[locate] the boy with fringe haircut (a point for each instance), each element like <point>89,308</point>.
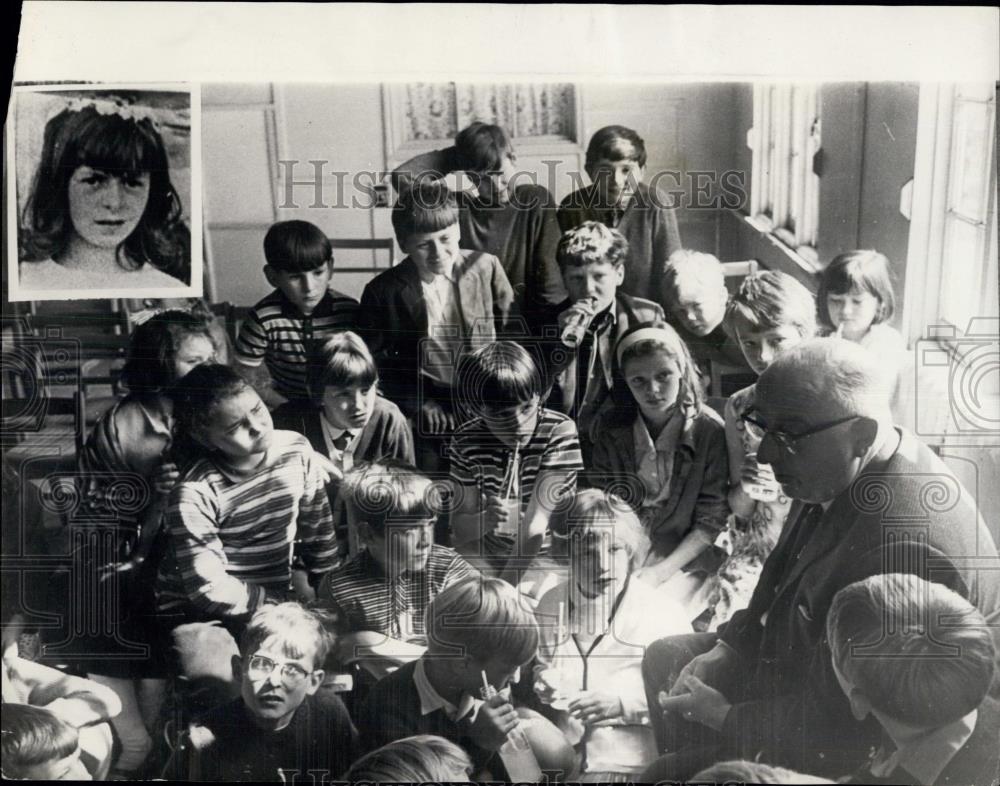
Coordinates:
<point>479,629</point>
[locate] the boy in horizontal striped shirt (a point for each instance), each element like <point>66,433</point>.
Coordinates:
<point>276,340</point>
<point>385,588</point>
<point>514,466</point>
<point>254,500</point>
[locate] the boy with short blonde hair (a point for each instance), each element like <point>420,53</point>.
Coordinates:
<point>281,722</point>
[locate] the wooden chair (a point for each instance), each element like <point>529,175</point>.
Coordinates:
<point>734,273</point>
<point>377,244</point>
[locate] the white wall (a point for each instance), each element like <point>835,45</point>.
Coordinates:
<point>247,129</point>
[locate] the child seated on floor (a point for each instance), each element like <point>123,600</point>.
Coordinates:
<point>282,723</point>
<point>594,628</point>
<point>345,419</point>
<point>511,464</point>
<point>277,339</point>
<point>694,290</point>
<point>380,595</point>
<point>37,745</point>
<point>422,758</point>
<point>617,197</point>
<point>919,658</point>
<point>479,633</point>
<point>770,313</point>
<point>423,314</point>
<point>664,444</point>
<point>252,501</point>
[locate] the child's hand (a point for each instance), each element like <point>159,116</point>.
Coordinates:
<point>592,706</point>
<point>752,473</point>
<point>304,593</point>
<point>460,183</point>
<point>166,477</point>
<point>327,467</point>
<point>496,718</point>
<point>435,419</point>
<point>497,513</point>
<point>580,311</point>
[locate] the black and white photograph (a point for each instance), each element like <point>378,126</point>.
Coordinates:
<point>438,393</point>
<point>100,183</point>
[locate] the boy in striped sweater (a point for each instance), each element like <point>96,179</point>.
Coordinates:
<point>251,506</point>
<point>276,340</point>
<point>514,465</point>
<point>380,596</point>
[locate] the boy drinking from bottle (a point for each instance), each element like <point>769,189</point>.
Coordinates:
<point>580,371</point>
<point>511,464</point>
<point>476,627</point>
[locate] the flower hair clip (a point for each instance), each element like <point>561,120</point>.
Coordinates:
<point>114,106</point>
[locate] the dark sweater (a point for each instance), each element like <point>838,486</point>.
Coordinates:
<point>391,711</point>
<point>319,737</point>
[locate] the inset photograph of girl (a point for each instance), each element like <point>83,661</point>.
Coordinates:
<point>102,192</point>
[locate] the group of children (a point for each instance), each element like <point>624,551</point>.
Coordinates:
<point>503,453</point>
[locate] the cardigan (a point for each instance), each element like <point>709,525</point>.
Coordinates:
<point>697,498</point>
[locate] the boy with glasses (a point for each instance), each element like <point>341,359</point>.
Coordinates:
<point>280,724</point>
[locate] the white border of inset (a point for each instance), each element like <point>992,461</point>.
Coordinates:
<point>19,294</point>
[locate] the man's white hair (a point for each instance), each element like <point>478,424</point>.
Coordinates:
<point>842,378</point>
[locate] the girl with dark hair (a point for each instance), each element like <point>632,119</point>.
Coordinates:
<point>102,211</point>
<point>664,450</point>
<point>126,471</point>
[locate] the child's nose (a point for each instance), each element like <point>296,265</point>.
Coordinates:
<point>766,354</point>
<point>112,193</point>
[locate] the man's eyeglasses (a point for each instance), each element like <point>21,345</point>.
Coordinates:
<point>788,442</point>
<point>260,668</point>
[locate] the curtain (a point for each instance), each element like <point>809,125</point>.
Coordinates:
<point>439,111</point>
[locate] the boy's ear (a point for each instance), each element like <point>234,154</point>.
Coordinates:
<point>863,433</point>
<point>619,274</point>
<point>269,274</point>
<point>237,665</point>
<point>315,681</point>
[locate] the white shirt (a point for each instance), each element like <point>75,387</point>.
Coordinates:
<point>613,665</point>
<point>655,460</point>
<point>341,459</point>
<point>49,274</point>
<point>444,329</point>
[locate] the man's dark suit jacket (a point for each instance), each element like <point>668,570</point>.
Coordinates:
<point>905,515</point>
<point>394,320</point>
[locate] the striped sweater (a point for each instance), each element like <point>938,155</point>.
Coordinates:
<point>478,458</point>
<point>232,538</point>
<point>279,335</point>
<point>363,598</point>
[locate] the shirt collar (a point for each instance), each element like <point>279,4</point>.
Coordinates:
<point>289,309</point>
<point>926,757</point>
<point>678,432</point>
<point>431,700</point>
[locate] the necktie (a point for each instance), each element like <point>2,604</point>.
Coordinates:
<point>341,442</point>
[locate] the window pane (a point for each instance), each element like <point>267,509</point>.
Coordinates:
<point>430,111</point>
<point>971,159</point>
<point>963,259</point>
<point>976,91</point>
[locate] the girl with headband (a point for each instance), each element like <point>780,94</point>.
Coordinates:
<point>665,451</point>
<point>102,211</point>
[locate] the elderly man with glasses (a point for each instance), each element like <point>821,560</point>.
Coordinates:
<point>869,499</point>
